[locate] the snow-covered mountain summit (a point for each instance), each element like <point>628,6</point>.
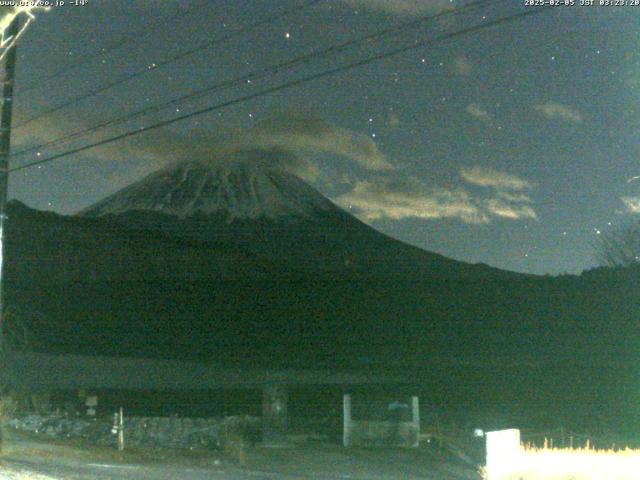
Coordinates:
<point>249,186</point>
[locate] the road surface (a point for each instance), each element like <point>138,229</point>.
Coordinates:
<point>26,459</point>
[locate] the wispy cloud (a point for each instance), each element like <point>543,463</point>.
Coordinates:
<point>146,147</point>
<point>559,111</point>
<point>487,177</point>
<point>462,66</point>
<point>404,7</point>
<point>478,112</point>
<point>383,199</point>
<point>289,141</point>
<point>502,208</point>
<point>388,198</point>
<point>632,204</point>
<point>300,132</point>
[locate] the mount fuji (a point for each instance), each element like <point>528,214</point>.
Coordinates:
<point>251,202</point>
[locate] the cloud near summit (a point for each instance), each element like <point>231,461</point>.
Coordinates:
<point>295,134</point>
<point>289,141</point>
<point>298,132</point>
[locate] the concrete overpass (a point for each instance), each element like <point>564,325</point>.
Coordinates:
<point>38,372</point>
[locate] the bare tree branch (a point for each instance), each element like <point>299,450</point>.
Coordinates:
<point>620,248</point>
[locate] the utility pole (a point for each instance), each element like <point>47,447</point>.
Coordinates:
<point>5,150</point>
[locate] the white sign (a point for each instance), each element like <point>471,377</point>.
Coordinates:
<point>503,451</point>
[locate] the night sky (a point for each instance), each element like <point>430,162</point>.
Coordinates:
<point>515,146</point>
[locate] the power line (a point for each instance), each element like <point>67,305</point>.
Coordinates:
<point>155,66</point>
<point>286,85</point>
<point>122,41</point>
<point>259,74</point>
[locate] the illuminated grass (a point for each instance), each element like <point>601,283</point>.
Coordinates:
<point>568,464</point>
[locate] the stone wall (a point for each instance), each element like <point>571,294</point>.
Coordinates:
<point>154,432</point>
